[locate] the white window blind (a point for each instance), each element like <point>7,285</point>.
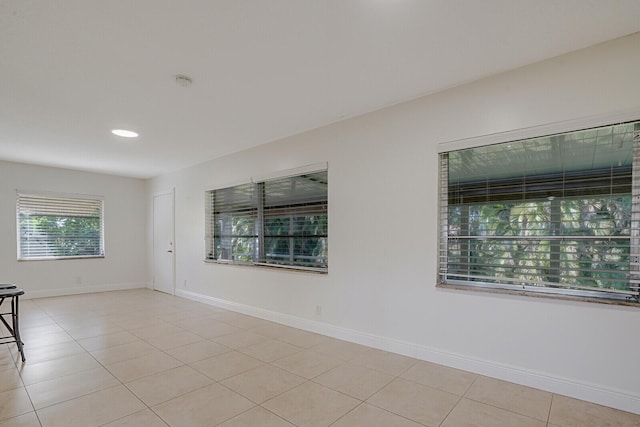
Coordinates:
<point>558,214</point>
<point>51,227</point>
<point>232,220</point>
<point>278,222</point>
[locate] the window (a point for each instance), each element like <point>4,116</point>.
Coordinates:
<point>554,215</point>
<point>55,227</point>
<point>278,222</point>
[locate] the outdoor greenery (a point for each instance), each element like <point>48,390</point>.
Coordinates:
<point>554,214</point>
<point>290,240</point>
<point>576,242</point>
<point>59,236</point>
<point>281,221</point>
<point>301,240</point>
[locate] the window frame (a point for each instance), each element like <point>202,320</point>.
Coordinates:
<point>262,213</point>
<point>57,200</point>
<point>600,296</point>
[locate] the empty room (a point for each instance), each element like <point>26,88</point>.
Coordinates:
<point>320,213</point>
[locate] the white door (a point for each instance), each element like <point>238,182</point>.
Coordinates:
<point>163,247</point>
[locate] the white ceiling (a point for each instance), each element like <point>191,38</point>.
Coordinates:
<point>72,70</point>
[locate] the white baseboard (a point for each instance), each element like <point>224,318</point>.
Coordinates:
<point>567,387</point>
<point>56,292</point>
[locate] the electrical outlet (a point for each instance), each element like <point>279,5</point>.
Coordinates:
<point>318,310</point>
<point>185,283</point>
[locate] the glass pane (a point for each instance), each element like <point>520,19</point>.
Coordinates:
<point>277,227</point>
<point>594,149</point>
<point>553,211</point>
<point>310,251</point>
<point>595,263</point>
<point>235,237</point>
<point>510,219</point>
<point>603,216</point>
<point>281,221</point>
<point>296,240</point>
<point>56,236</point>
<point>578,262</point>
<point>243,248</point>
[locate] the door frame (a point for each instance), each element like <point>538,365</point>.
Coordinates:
<point>172,193</point>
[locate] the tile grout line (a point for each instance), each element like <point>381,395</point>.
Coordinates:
<point>85,350</point>
<point>462,396</point>
<point>111,306</point>
<point>550,406</point>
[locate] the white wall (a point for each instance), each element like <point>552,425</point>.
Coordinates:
<point>124,265</point>
<point>380,289</point>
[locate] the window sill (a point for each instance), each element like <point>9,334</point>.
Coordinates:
<point>59,258</point>
<point>540,294</point>
<point>269,266</point>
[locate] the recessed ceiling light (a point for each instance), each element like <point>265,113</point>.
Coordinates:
<point>125,133</point>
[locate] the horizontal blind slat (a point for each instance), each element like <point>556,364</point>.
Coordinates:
<point>282,221</point>
<point>54,227</point>
<point>556,211</point>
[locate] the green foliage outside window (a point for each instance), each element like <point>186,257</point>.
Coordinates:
<point>279,222</point>
<point>296,239</point>
<point>557,214</point>
<point>52,226</point>
<point>55,236</point>
<point>589,254</point>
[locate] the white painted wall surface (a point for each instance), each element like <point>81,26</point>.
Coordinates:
<point>380,289</point>
<point>124,264</point>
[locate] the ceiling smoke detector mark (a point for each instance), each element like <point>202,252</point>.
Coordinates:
<point>184,81</point>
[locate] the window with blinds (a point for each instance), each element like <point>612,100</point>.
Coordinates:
<point>278,222</point>
<point>56,227</point>
<point>558,215</point>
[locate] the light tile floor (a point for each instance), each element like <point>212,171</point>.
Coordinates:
<point>142,358</point>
